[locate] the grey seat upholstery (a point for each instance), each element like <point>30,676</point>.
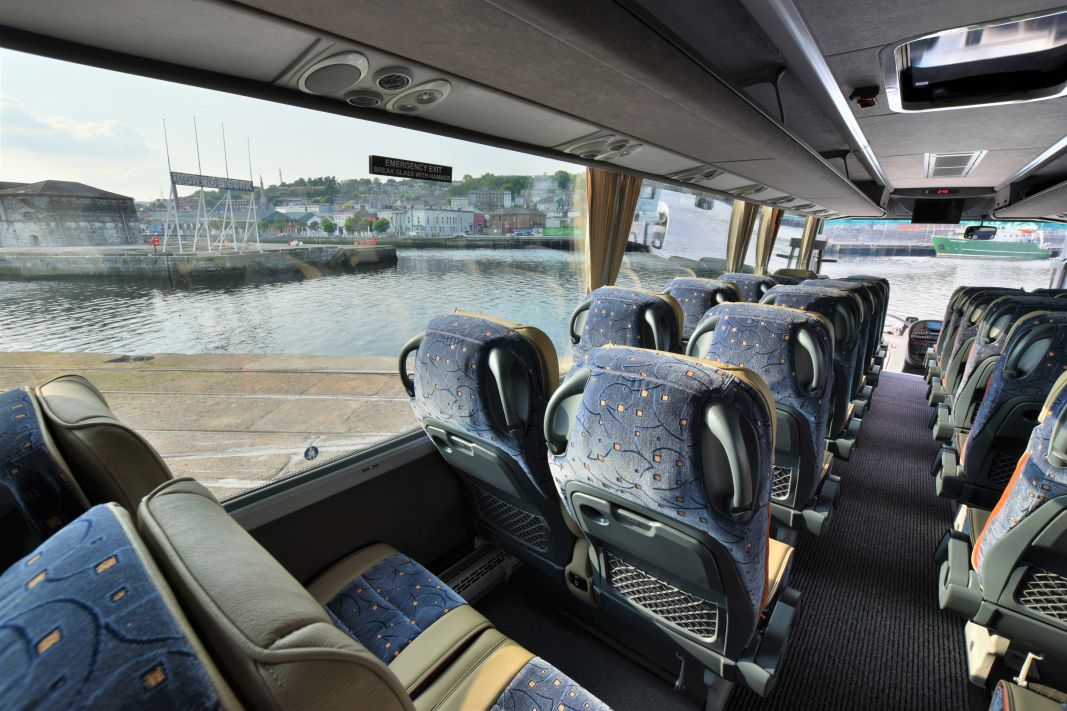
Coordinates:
<point>479,389</point>
<point>978,464</point>
<point>665,462</point>
<point>281,646</point>
<point>1013,578</point>
<point>111,461</point>
<point>792,351</point>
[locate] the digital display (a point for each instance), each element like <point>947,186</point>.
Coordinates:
<point>937,212</point>
<point>933,326</point>
<point>940,191</point>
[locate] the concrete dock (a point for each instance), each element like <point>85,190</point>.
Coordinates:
<point>236,421</point>
<point>170,268</point>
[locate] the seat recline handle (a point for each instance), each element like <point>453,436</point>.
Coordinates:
<point>500,362</point>
<point>572,386</point>
<point>407,350</point>
<point>723,424</point>
<point>582,307</point>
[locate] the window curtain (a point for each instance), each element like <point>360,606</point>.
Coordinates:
<point>612,201</point>
<point>770,220</point>
<point>742,220</point>
<point>807,241</point>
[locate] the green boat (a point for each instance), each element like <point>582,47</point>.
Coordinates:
<point>980,245</point>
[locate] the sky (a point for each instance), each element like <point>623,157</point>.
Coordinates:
<point>64,121</point>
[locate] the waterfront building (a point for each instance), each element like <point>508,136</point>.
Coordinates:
<point>488,200</point>
<point>429,221</point>
<point>60,213</point>
<point>502,222</point>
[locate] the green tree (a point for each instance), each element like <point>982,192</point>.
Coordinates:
<point>279,223</point>
<point>381,225</point>
<point>563,179</point>
<point>314,225</point>
<point>328,226</point>
<point>350,224</point>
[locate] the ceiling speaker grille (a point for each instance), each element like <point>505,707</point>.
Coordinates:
<point>951,165</point>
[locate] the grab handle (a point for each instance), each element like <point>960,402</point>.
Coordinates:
<point>572,386</point>
<point>409,347</point>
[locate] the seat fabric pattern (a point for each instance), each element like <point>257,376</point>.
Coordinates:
<point>751,286</point>
<point>1035,481</point>
<point>616,318</point>
<point>1037,384</point>
<point>83,625</point>
<point>968,331</point>
<point>391,604</point>
<point>696,296</point>
<point>764,339</point>
<point>452,375</point>
<point>1014,309</point>
<point>38,480</point>
<point>636,436</point>
<point>539,685</point>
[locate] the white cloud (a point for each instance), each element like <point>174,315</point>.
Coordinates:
<point>23,129</point>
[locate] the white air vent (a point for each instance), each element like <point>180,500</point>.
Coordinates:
<point>951,165</point>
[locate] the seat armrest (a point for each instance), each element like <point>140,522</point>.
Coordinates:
<point>960,591</point>
<point>948,483</point>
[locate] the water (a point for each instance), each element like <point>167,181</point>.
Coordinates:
<point>374,313</point>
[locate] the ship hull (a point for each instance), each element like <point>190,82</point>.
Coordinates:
<point>988,249</point>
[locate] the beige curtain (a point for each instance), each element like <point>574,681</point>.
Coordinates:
<point>807,241</point>
<point>612,201</point>
<point>742,220</point>
<point>770,220</point>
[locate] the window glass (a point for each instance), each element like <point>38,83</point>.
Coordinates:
<point>675,232</point>
<point>253,334</point>
<point>925,263</point>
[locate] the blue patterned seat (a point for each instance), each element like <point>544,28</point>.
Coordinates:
<point>479,389</point>
<point>86,621</point>
<point>696,296</point>
<point>955,357</point>
<point>614,316</point>
<point>990,338</point>
<point>665,462</point>
<point>868,334</point>
<point>792,351</point>
<point>62,450</point>
<point>1012,697</point>
<point>1014,579</point>
<point>376,630</point>
<point>1033,359</point>
<point>751,286</point>
<point>842,310</point>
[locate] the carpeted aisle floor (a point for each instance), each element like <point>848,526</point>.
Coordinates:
<point>871,635</point>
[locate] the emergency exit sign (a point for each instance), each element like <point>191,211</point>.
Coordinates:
<point>412,169</point>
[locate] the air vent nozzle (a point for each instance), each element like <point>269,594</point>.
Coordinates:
<point>420,98</point>
<point>393,79</point>
<point>602,145</point>
<point>951,165</point>
<point>364,99</point>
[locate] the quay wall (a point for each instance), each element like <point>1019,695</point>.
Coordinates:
<point>879,250</point>
<point>187,269</point>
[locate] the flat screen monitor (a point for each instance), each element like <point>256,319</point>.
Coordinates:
<point>937,212</point>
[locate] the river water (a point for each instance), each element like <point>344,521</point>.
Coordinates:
<point>376,312</point>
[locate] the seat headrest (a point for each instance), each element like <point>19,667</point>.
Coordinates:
<point>627,317</point>
<point>790,349</point>
<point>87,620</point>
<point>695,296</point>
<point>1006,310</point>
<point>32,469</point>
<point>275,644</point>
<point>838,307</point>
<point>1053,419</point>
<point>110,460</point>
<point>486,374</point>
<point>752,286</point>
<point>796,273</point>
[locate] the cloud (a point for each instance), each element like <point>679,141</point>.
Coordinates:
<point>23,129</point>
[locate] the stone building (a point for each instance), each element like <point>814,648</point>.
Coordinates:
<point>59,213</point>
<point>503,222</point>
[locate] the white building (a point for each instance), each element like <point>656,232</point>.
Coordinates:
<point>461,203</point>
<point>429,222</point>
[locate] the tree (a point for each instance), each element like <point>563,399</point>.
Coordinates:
<point>328,226</point>
<point>350,224</point>
<point>563,179</point>
<point>381,225</point>
<point>280,223</point>
<point>314,225</point>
